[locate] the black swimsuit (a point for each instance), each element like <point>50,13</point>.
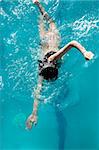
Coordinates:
<point>49,71</point>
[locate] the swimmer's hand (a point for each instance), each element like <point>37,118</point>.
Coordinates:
<point>88,55</point>
<point>35,1</point>
<point>32,119</point>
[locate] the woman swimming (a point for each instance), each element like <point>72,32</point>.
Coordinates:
<point>51,54</point>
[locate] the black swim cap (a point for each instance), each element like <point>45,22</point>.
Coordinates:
<point>49,73</point>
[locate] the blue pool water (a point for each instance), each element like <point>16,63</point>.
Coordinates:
<point>68,115</point>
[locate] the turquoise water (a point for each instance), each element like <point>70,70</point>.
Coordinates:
<point>69,112</point>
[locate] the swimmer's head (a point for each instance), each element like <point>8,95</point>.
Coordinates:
<point>49,73</point>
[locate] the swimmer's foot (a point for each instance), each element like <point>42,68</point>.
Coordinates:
<point>35,1</point>
<point>32,119</point>
<point>88,55</point>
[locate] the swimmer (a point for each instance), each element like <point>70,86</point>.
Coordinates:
<point>51,54</point>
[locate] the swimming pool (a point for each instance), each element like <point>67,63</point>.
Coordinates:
<point>68,113</point>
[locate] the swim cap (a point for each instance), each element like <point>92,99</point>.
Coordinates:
<point>49,72</point>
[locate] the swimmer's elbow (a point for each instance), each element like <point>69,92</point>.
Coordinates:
<point>73,43</point>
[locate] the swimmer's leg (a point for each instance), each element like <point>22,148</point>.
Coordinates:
<point>42,29</point>
<point>42,11</point>
<point>52,25</point>
<point>45,15</point>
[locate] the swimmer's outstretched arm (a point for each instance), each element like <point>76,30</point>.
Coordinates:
<point>32,119</point>
<point>43,12</point>
<point>87,54</point>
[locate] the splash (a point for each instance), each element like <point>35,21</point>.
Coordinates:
<point>88,63</point>
<point>1,83</point>
<point>54,7</point>
<point>84,26</point>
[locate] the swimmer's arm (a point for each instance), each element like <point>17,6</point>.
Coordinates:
<point>65,49</point>
<point>37,95</point>
<point>32,119</point>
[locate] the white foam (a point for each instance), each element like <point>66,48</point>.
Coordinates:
<point>84,25</point>
<point>1,83</point>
